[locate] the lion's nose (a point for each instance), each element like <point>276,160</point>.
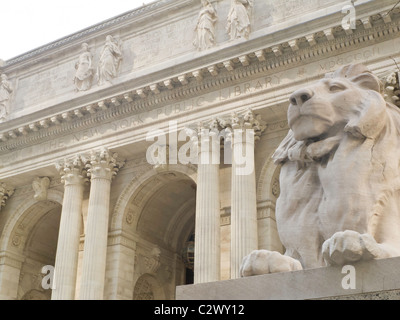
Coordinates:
<point>301,96</point>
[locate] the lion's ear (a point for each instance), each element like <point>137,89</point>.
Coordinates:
<point>370,117</point>
<point>368,81</point>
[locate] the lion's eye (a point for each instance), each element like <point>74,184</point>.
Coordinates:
<point>336,87</point>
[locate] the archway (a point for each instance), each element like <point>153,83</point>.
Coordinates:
<point>30,238</point>
<point>268,191</point>
<point>157,220</point>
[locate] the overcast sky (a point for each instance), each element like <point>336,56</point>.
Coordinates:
<point>28,24</point>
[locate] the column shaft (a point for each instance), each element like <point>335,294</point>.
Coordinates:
<point>69,233</point>
<point>244,202</point>
<point>95,250</point>
<point>207,262</point>
<point>102,168</point>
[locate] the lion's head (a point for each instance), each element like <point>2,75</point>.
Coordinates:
<point>347,99</point>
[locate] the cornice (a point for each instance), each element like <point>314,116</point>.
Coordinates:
<point>221,74</point>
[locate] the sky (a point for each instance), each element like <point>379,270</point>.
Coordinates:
<point>28,24</point>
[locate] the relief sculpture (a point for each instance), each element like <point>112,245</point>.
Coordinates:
<point>5,95</point>
<point>238,25</point>
<point>110,60</point>
<point>340,178</point>
<point>84,70</point>
<point>205,28</point>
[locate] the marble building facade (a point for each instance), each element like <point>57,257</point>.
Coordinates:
<point>77,189</point>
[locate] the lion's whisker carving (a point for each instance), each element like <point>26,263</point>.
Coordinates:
<point>340,176</point>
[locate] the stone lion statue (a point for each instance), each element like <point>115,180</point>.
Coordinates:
<point>340,176</point>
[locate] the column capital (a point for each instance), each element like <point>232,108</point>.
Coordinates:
<point>248,120</point>
<point>5,193</point>
<point>72,170</point>
<point>103,164</point>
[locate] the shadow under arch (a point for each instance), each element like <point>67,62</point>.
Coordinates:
<point>123,214</point>
<point>29,240</point>
<point>154,213</point>
<point>24,219</point>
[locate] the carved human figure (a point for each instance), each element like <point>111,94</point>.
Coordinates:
<point>238,25</point>
<point>340,177</point>
<point>5,95</point>
<point>205,28</point>
<point>84,70</point>
<point>110,60</point>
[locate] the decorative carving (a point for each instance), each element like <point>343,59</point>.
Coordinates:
<point>5,95</point>
<point>276,188</point>
<point>393,88</point>
<point>16,240</point>
<point>5,193</point>
<point>152,263</point>
<point>160,158</point>
<point>130,216</point>
<point>103,164</point>
<point>248,120</point>
<point>110,60</point>
<point>205,28</point>
<point>339,176</point>
<point>143,290</point>
<point>40,186</point>
<point>73,170</point>
<point>84,70</point>
<point>238,25</point>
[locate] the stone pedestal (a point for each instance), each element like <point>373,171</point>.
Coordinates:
<point>73,174</point>
<point>371,280</point>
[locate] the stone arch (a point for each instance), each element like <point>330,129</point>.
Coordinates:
<point>24,241</point>
<point>265,185</point>
<point>121,210</point>
<point>24,219</point>
<point>268,191</point>
<point>142,203</point>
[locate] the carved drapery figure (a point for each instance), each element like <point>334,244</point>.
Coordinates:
<point>110,60</point>
<point>340,176</point>
<point>5,96</point>
<point>205,28</point>
<point>238,25</point>
<point>84,70</point>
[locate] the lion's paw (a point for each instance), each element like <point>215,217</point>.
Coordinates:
<point>263,262</point>
<point>350,246</point>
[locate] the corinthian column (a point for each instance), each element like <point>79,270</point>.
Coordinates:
<point>73,175</point>
<point>244,236</point>
<point>103,166</point>
<point>207,241</point>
